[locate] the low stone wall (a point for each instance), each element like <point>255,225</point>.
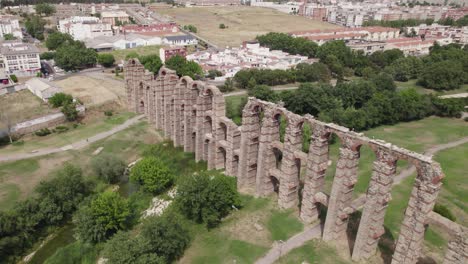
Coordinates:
<point>47,121</point>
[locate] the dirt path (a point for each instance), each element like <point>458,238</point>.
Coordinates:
<point>283,248</point>
<point>76,145</point>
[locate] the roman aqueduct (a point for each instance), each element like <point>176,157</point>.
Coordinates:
<point>192,115</point>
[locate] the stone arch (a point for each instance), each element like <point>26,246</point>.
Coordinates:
<point>235,165</point>
<point>223,131</point>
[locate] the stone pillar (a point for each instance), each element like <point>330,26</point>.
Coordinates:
<point>423,196</point>
<point>269,133</point>
<point>457,249</point>
<point>317,163</point>
<point>378,195</point>
<point>289,182</point>
<point>250,133</point>
<point>342,191</point>
<point>190,120</point>
<point>179,111</point>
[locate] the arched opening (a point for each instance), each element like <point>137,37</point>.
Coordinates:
<point>221,162</point>
<point>235,165</point>
<point>275,184</point>
<point>207,125</point>
<point>193,141</point>
<point>281,122</point>
<point>278,158</point>
<point>222,131</point>
<point>142,107</point>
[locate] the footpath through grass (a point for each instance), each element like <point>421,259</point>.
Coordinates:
<point>82,131</point>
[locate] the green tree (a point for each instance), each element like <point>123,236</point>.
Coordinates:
<point>60,196</point>
<point>122,248</point>
<point>151,62</point>
<point>316,72</point>
<point>35,27</point>
<point>106,59</point>
<point>48,55</point>
<point>184,67</point>
<point>444,75</point>
<point>404,69</point>
<point>166,236</point>
<point>9,37</point>
<point>207,198</point>
<point>222,26</point>
<point>191,28</point>
<point>75,56</point>
<point>104,216</point>
<point>383,81</point>
<point>45,9</point>
<point>108,168</point>
<point>58,39</point>
<point>60,99</point>
<point>70,112</point>
<point>263,92</point>
<point>152,174</point>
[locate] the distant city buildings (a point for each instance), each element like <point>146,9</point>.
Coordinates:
<point>151,30</point>
<point>115,17</point>
<point>19,58</point>
<point>250,55</point>
<point>10,25</point>
<point>347,34</point>
<point>83,27</point>
<point>208,2</point>
<point>456,34</point>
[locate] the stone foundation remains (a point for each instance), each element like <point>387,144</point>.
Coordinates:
<point>192,115</point>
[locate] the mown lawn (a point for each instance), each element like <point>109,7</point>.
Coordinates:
<point>82,131</point>
<point>314,252</point>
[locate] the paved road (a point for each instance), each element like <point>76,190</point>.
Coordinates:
<point>283,248</point>
<point>274,89</point>
<point>76,145</point>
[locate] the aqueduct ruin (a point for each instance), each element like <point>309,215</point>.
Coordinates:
<point>192,115</point>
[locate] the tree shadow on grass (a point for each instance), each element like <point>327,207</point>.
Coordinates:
<point>352,229</point>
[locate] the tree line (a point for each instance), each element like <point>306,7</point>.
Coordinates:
<point>461,22</point>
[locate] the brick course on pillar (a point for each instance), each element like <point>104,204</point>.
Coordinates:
<point>422,200</point>
<point>314,182</point>
<point>371,225</point>
<point>341,193</point>
<point>179,107</point>
<point>288,196</point>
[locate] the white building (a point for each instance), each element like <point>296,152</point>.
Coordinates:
<point>20,58</point>
<point>10,25</point>
<point>250,55</point>
<point>81,28</point>
<point>114,17</point>
<point>180,40</point>
<point>128,41</point>
<point>42,88</point>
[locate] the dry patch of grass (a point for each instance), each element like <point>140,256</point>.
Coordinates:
<point>94,91</point>
<point>22,106</point>
<point>244,23</point>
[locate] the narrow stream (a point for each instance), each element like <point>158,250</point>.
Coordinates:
<point>64,235</point>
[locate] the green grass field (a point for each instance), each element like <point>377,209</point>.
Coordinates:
<point>412,84</point>
<point>83,131</point>
<point>314,252</point>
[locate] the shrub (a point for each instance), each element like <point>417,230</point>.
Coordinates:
<point>42,132</point>
<point>207,198</point>
<point>108,113</point>
<point>60,99</point>
<point>70,112</point>
<point>14,78</point>
<point>48,55</point>
<point>444,211</point>
<point>61,129</point>
<point>466,119</point>
<point>106,60</point>
<point>102,217</point>
<point>153,175</point>
<point>222,26</point>
<point>108,167</point>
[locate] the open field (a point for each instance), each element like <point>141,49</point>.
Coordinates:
<point>94,89</point>
<point>120,55</point>
<point>19,178</point>
<point>244,23</point>
<point>22,106</point>
<point>90,126</point>
<point>412,84</point>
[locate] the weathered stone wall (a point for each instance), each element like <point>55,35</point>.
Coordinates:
<point>192,115</point>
